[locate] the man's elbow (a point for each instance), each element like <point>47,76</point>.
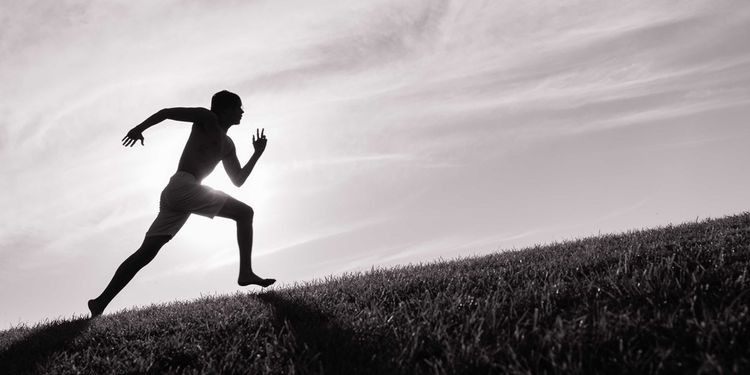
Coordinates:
<point>238,181</point>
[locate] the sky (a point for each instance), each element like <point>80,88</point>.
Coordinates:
<point>398,132</point>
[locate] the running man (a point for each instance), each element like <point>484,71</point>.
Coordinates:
<point>184,195</point>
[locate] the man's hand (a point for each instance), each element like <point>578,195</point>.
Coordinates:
<point>132,137</point>
<point>259,143</point>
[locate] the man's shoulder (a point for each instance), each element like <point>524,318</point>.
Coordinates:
<point>204,118</point>
<point>206,115</point>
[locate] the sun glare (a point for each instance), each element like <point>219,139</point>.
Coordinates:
<point>220,181</point>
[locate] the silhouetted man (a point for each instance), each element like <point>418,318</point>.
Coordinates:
<point>184,195</point>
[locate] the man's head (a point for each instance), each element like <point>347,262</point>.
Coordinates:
<point>228,106</point>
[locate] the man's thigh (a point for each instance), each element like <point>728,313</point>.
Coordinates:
<point>167,223</point>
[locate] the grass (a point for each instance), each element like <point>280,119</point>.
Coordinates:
<point>666,300</point>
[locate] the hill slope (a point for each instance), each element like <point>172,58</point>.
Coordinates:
<point>670,300</point>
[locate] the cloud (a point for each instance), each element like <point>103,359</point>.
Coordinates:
<point>415,253</point>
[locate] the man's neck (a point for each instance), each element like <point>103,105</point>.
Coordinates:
<point>224,126</point>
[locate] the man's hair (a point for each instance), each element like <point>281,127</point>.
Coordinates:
<point>224,100</point>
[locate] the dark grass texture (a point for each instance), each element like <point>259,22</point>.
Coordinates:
<point>666,300</point>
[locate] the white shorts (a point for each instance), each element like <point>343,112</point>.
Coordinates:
<point>184,195</point>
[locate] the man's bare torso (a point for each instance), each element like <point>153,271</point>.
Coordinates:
<point>203,151</point>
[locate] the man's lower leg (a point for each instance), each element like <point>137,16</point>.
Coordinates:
<point>123,275</point>
<point>245,243</point>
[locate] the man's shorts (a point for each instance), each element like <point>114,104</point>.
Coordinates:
<point>184,195</point>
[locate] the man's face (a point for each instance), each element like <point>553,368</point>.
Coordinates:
<point>235,114</point>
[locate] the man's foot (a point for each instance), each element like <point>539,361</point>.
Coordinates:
<point>255,280</point>
<point>95,308</point>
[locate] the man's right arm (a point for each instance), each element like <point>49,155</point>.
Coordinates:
<point>199,115</point>
<point>194,115</point>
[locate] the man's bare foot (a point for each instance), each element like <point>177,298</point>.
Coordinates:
<point>255,280</point>
<point>95,308</point>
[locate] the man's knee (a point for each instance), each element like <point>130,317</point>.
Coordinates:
<point>148,250</point>
<point>237,211</point>
<point>152,244</point>
<point>158,240</point>
<point>246,214</point>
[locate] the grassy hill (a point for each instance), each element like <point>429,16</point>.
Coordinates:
<point>666,300</point>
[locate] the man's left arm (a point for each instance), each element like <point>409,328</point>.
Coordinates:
<point>239,174</point>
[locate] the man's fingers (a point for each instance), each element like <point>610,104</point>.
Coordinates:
<point>261,133</point>
<point>129,142</point>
